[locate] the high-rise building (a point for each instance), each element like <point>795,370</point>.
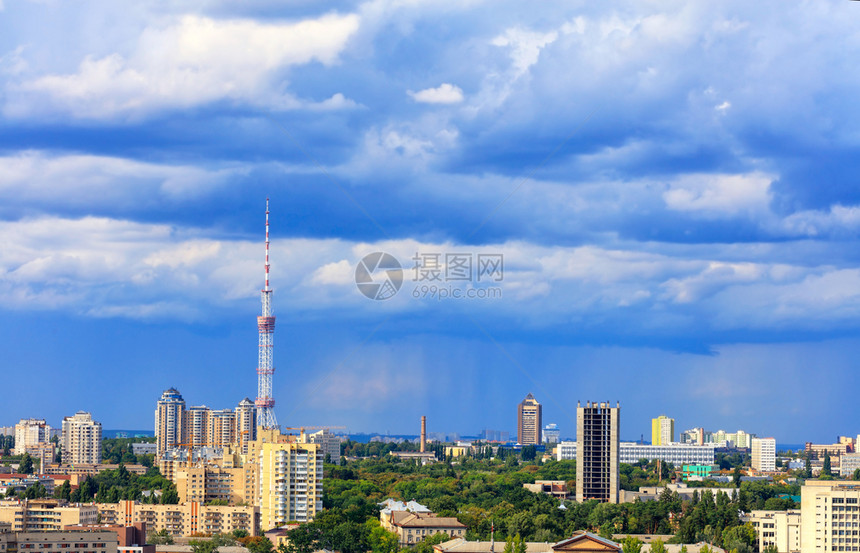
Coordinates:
<point>30,433</point>
<point>222,428</point>
<point>246,424</point>
<point>169,420</point>
<point>82,439</point>
<point>551,434</point>
<point>764,454</point>
<point>291,480</point>
<point>196,420</point>
<point>662,430</point>
<point>529,414</point>
<point>597,475</point>
<point>329,442</point>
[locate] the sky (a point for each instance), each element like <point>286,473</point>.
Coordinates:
<point>670,187</point>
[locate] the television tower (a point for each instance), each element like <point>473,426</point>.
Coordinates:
<point>266,324</point>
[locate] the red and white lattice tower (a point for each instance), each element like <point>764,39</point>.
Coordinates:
<point>265,369</point>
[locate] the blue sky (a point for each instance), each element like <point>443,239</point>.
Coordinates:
<point>673,187</point>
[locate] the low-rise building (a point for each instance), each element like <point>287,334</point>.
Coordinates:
<point>144,448</point>
<point>631,452</point>
<point>412,528</point>
<point>555,488</point>
<point>185,519</point>
<point>130,539</point>
<point>85,469</point>
<point>103,541</point>
<point>777,528</point>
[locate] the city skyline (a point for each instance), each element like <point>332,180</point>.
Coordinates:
<point>671,188</point>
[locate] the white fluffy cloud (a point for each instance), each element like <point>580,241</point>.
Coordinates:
<point>189,62</point>
<point>445,93</point>
<point>112,268</point>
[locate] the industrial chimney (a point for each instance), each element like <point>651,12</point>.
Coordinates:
<point>423,433</point>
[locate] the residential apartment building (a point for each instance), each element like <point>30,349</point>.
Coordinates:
<point>662,430</point>
<point>43,515</point>
<point>102,541</point>
<point>30,432</point>
<point>199,426</point>
<point>222,427</point>
<point>196,431</point>
<point>529,421</point>
<point>246,424</point>
<point>830,516</point>
<point>764,454</point>
<point>777,528</point>
<point>207,483</point>
<point>848,463</point>
<point>169,420</point>
<point>597,455</point>
<point>82,439</point>
<point>185,519</point>
<point>329,442</point>
<point>631,452</point>
<point>290,482</point>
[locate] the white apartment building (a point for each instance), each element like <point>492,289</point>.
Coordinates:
<point>764,454</point>
<point>30,433</point>
<point>82,439</point>
<point>631,452</point>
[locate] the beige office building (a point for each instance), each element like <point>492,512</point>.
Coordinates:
<point>82,439</point>
<point>777,528</point>
<point>830,516</point>
<point>30,432</point>
<point>597,445</point>
<point>186,519</point>
<point>529,421</point>
<point>43,515</point>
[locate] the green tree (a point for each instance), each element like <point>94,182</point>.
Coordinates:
<point>259,544</point>
<point>856,474</point>
<point>736,477</point>
<point>162,537</point>
<point>657,546</point>
<point>240,533</point>
<point>515,545</point>
<point>304,539</point>
<point>807,470</point>
<point>26,464</point>
<point>631,544</point>
<point>380,539</point>
<point>203,546</point>
<point>825,471</point>
<point>770,549</point>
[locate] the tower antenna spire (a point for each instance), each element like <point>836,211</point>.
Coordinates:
<point>265,368</point>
